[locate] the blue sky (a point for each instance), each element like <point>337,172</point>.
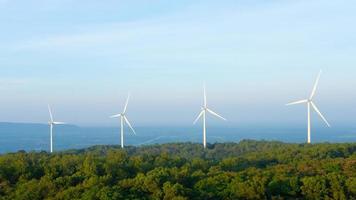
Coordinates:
<point>84,56</point>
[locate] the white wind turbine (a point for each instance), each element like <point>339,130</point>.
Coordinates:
<point>52,123</point>
<point>123,120</point>
<point>311,104</point>
<point>204,111</point>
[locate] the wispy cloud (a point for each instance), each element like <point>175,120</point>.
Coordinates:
<point>194,27</point>
<point>10,83</point>
<point>140,32</point>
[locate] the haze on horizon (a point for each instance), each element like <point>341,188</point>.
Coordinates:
<point>83,57</point>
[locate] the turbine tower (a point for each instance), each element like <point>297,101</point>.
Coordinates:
<point>203,113</point>
<point>123,120</point>
<point>311,105</point>
<point>52,123</point>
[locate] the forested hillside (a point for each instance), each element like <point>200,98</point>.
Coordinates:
<point>245,170</point>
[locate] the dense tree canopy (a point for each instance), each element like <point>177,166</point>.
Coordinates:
<point>247,170</point>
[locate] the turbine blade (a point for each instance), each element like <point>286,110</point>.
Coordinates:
<point>204,88</point>
<point>215,114</point>
<point>127,102</point>
<point>128,123</point>
<point>315,86</point>
<point>50,113</point>
<point>115,116</point>
<point>297,102</point>
<point>319,113</point>
<point>59,123</point>
<point>199,116</point>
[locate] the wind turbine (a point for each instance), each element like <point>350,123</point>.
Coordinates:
<point>311,104</point>
<point>203,113</point>
<point>52,123</point>
<point>123,120</point>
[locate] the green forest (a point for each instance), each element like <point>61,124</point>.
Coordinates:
<point>245,170</point>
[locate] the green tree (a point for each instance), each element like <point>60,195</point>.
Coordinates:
<point>351,186</point>
<point>174,191</point>
<point>314,187</point>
